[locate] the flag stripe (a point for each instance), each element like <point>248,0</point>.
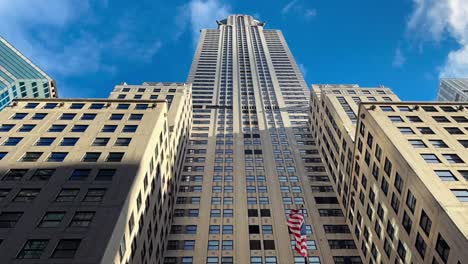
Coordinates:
<point>296,224</point>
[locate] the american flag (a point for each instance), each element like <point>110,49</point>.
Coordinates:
<point>296,223</point>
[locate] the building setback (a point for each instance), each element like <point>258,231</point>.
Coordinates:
<point>20,78</point>
<point>453,90</point>
<point>404,187</point>
<point>91,180</point>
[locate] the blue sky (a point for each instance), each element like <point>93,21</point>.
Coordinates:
<point>89,46</point>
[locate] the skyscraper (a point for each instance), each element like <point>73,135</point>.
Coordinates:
<point>251,157</point>
<point>20,78</point>
<point>453,90</point>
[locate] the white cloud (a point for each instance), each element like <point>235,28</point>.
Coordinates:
<point>200,14</point>
<point>298,8</point>
<point>55,35</point>
<point>303,69</point>
<point>309,13</point>
<point>73,55</point>
<point>399,59</point>
<point>288,6</point>
<point>435,20</point>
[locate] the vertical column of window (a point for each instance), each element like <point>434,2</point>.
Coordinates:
<point>347,108</point>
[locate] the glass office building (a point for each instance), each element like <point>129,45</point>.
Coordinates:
<point>20,78</point>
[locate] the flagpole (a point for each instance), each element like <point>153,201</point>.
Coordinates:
<point>306,261</point>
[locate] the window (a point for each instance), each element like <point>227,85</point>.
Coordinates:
<point>96,106</point>
<point>68,142</point>
<point>395,203</point>
<point>50,105</point>
<point>12,141</point>
<point>386,108</point>
<point>57,128</point>
<point>79,128</point>
<point>210,260</point>
<point>341,244</point>
<point>2,155</point>
<point>95,195</point>
<point>45,141</point>
<point>136,117</point>
<point>213,244</point>
<point>67,195</point>
<point>442,248</point>
<point>101,142</point>
<point>214,229</point>
<point>116,117</point>
<point>414,119</point>
<point>57,156</point>
<point>255,245</point>
<point>87,116</point>
<point>109,128</point>
<point>9,219</point>
<point>15,174</point>
<point>267,229</point>
<point>144,106</point>
<point>445,175</point>
<point>330,212</point>
<point>411,201</point>
<point>129,128</point>
<point>396,119</point>
<point>441,119</point>
<point>228,229</point>
<point>407,222</point>
<point>91,156</point>
<point>464,173</point>
<point>31,105</point>
<point>454,130</point>
<point>460,119</point>
<point>437,143</point>
<point>76,105</point>
<point>461,194</point>
<point>67,116</point>
<point>82,219</point>
<point>406,130</point>
<point>420,245</point>
<point>26,195</point>
<point>463,142</point>
<point>105,175</point>
<point>425,130</point>
<point>42,174</point>
<point>122,142</point>
<point>52,219</point>
<point>430,158</point>
<point>452,158</point>
<point>417,143</point>
<point>19,116</point>
<point>115,157</point>
<point>398,182</point>
<point>227,245</point>
<point>80,174</point>
<point>6,127</point>
<point>26,128</point>
<point>189,244</point>
<point>401,250</point>
<point>425,223</point>
<point>66,248</point>
<point>33,249</point>
<point>270,244</point>
<point>39,116</point>
<point>228,212</point>
<point>123,106</point>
